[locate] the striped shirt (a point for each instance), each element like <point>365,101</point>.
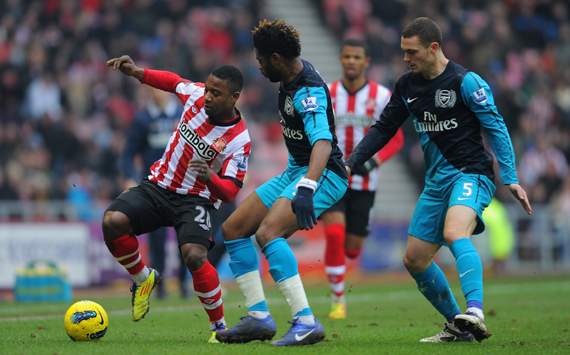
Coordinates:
<point>354,114</point>
<point>226,148</point>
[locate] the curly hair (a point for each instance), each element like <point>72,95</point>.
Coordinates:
<point>276,36</point>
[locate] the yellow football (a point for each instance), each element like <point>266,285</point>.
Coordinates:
<point>85,320</point>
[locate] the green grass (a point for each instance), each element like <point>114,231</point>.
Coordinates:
<point>527,316</point>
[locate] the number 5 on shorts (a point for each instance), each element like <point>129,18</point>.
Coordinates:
<point>467,189</point>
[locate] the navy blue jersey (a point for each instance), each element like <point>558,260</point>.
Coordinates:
<point>148,136</point>
<point>448,113</point>
<point>307,117</point>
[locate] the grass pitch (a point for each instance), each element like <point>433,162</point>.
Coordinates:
<point>526,316</point>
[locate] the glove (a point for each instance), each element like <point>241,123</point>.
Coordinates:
<point>365,168</point>
<point>302,203</point>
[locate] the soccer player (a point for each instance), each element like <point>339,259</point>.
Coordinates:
<point>204,163</point>
<point>449,105</point>
<point>314,180</point>
<point>147,137</point>
<point>356,101</point>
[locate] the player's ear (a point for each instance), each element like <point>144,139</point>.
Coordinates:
<point>235,95</point>
<point>434,46</point>
<point>275,59</point>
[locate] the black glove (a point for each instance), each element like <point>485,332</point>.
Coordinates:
<point>302,204</point>
<point>365,168</point>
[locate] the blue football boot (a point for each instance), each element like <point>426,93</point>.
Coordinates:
<point>248,329</point>
<point>302,334</point>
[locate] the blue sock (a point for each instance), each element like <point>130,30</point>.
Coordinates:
<point>245,268</point>
<point>470,270</point>
<point>284,270</point>
<point>433,284</point>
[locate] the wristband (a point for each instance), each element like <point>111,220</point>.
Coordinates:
<point>308,183</point>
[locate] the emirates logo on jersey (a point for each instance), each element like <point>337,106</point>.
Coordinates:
<point>203,149</point>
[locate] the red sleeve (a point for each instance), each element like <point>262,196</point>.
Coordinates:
<point>393,146</point>
<point>224,189</point>
<point>161,79</point>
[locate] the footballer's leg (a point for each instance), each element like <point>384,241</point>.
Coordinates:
<point>335,268</point>
<point>192,222</point>
<point>469,197</point>
<point>433,284</point>
<point>356,215</point>
<point>121,221</point>
<point>279,223</point>
<point>237,229</point>
<point>206,284</point>
<point>459,225</point>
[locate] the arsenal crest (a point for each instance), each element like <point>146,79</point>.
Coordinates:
<point>219,144</point>
<point>445,98</point>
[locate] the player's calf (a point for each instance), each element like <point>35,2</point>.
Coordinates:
<point>206,284</point>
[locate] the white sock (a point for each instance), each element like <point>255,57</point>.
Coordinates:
<point>258,314</point>
<point>292,289</point>
<point>308,320</point>
<point>141,276</point>
<point>476,311</point>
<point>252,288</point>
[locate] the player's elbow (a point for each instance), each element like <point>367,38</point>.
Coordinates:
<point>323,146</point>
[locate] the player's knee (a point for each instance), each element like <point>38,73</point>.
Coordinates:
<point>194,256</point>
<point>228,231</point>
<point>452,233</point>
<point>115,224</point>
<point>263,235</point>
<point>414,264</point>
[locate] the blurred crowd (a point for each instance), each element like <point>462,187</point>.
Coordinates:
<point>64,115</point>
<point>522,48</point>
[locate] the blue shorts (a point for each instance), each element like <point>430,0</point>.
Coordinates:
<point>471,190</point>
<point>330,189</point>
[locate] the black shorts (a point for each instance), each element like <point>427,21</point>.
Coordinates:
<point>149,207</point>
<point>356,205</point>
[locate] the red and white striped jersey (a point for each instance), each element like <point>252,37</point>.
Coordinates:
<point>226,149</point>
<point>354,114</point>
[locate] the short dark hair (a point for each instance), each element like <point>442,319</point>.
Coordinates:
<point>355,42</point>
<point>425,28</point>
<point>230,74</point>
<point>276,37</point>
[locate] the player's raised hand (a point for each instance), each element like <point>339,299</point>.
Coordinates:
<point>520,194</point>
<point>126,65</point>
<point>201,168</point>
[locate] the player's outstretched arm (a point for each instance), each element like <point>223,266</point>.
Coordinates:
<point>127,66</point>
<point>160,79</point>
